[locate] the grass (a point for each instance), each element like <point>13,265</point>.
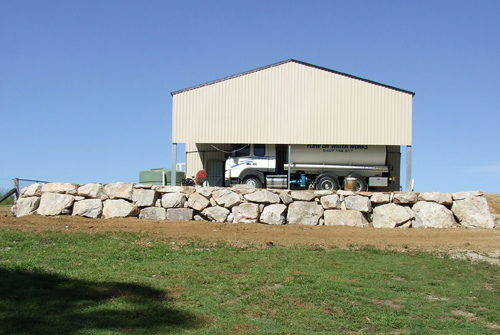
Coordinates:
<point>119,283</point>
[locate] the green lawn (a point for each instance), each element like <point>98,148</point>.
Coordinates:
<point>118,283</point>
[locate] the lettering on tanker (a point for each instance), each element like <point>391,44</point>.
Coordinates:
<point>337,147</point>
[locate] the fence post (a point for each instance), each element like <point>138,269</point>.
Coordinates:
<point>16,186</point>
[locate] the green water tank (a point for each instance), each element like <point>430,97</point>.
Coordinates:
<point>161,176</point>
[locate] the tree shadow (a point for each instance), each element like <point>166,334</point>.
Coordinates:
<point>42,303</point>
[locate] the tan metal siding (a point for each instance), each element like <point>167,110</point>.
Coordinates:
<point>198,155</point>
<point>193,160</point>
<point>293,104</point>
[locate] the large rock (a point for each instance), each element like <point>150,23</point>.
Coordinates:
<point>345,193</point>
<point>243,189</point>
<point>432,215</point>
<point>34,190</point>
<point>55,204</point>
<point>63,188</point>
<point>179,214</point>
<point>466,195</point>
<point>330,201</point>
<point>437,197</point>
<point>153,213</point>
<point>303,196</point>
<point>119,190</point>
<point>93,191</point>
<point>345,218</point>
<point>199,218</point>
<point>173,200</point>
<point>176,189</point>
<point>23,191</point>
<point>358,203</point>
<point>90,208</point>
<point>217,213</point>
<point>246,213</point>
<point>119,208</point>
<point>227,198</point>
<point>405,198</point>
<point>307,213</point>
<point>391,215</point>
<point>263,197</point>
<point>204,191</point>
<point>322,193</point>
<point>273,214</point>
<point>380,198</point>
<point>198,202</point>
<point>144,186</point>
<point>473,212</point>
<point>26,206</point>
<point>144,197</point>
<point>496,219</point>
<point>285,197</point>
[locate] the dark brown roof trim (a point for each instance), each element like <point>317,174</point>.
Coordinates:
<point>288,61</point>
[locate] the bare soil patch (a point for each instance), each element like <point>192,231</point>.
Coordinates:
<point>486,241</point>
<point>493,202</point>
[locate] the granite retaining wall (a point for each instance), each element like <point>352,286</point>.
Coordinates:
<point>243,204</point>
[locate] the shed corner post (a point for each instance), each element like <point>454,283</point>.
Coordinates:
<point>408,169</point>
<point>173,177</point>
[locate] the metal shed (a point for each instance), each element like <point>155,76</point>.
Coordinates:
<point>289,102</point>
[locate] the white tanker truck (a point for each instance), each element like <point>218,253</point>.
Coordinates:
<point>312,166</point>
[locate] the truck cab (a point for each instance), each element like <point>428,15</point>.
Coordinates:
<point>249,164</point>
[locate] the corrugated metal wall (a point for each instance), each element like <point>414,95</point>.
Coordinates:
<point>293,103</point>
<point>199,154</point>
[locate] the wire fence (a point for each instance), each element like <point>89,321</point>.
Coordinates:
<point>19,184</point>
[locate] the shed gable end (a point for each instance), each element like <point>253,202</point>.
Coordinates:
<point>292,103</point>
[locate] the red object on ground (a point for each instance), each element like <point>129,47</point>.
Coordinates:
<point>201,176</point>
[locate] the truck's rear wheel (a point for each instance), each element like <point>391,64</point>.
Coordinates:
<point>254,181</point>
<point>360,183</point>
<point>327,183</point>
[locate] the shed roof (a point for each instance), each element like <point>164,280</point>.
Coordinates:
<point>284,62</point>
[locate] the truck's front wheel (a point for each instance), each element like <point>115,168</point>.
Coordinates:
<point>327,183</point>
<point>254,181</point>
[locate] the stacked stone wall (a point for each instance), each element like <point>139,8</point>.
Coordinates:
<point>243,204</point>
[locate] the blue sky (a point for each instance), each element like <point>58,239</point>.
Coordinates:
<point>85,85</point>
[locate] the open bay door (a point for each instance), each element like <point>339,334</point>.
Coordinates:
<point>215,173</point>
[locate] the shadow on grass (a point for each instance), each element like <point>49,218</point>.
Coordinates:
<point>41,303</point>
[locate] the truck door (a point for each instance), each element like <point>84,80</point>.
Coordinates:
<point>261,160</point>
<point>237,160</point>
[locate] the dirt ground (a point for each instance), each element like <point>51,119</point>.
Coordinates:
<point>484,241</point>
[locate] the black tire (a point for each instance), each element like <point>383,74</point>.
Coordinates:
<point>361,185</point>
<point>252,180</point>
<point>187,182</point>
<point>327,183</point>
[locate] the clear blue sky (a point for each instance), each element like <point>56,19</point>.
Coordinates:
<point>85,85</point>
